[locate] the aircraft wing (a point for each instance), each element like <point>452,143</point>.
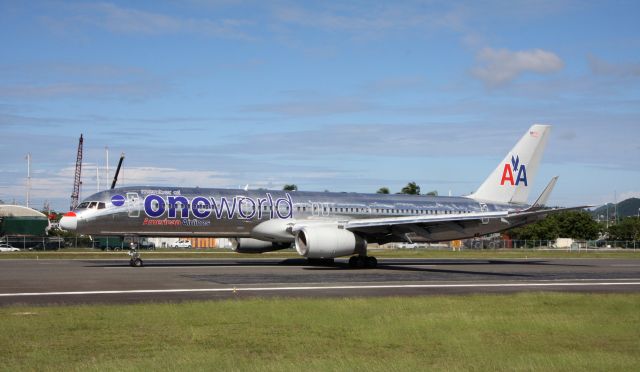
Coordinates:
<point>427,226</point>
<point>537,212</point>
<point>359,224</point>
<point>391,229</point>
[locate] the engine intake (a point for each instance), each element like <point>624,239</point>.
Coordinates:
<point>328,242</point>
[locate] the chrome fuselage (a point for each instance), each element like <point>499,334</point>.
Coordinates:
<point>204,212</point>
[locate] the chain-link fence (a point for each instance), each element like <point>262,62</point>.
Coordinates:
<point>560,244</point>
<point>50,243</point>
<point>113,243</point>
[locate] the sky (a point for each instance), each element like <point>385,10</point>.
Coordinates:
<point>328,95</point>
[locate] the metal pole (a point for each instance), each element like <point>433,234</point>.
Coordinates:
<point>615,199</point>
<point>28,178</point>
<point>106,149</point>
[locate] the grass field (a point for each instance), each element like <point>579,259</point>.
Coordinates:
<point>386,253</point>
<point>522,332</point>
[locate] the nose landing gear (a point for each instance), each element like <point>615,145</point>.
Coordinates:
<point>135,261</point>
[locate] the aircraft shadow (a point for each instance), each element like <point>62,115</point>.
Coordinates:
<point>302,262</point>
<point>393,267</point>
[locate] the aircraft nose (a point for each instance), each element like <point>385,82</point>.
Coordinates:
<point>69,221</point>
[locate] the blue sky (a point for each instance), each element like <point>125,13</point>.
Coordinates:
<point>340,96</point>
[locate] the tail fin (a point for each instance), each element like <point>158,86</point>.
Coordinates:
<point>511,181</point>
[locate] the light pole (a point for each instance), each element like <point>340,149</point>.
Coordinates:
<point>28,178</point>
<point>106,179</point>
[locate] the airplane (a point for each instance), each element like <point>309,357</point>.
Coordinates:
<point>322,225</point>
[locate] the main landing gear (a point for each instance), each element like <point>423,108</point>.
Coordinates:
<point>135,261</point>
<point>361,262</point>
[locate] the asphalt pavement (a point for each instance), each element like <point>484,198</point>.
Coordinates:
<point>44,282</point>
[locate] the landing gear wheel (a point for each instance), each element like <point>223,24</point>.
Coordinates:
<point>372,262</point>
<point>353,261</point>
<point>136,262</point>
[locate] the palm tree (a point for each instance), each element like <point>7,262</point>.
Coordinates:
<point>383,190</point>
<point>411,189</point>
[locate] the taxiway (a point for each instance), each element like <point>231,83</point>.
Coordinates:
<point>42,282</point>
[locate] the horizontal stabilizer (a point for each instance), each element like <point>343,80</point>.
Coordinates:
<point>544,197</point>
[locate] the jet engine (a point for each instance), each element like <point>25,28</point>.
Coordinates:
<point>328,242</point>
<point>248,245</point>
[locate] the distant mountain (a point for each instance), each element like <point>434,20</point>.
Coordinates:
<point>626,208</point>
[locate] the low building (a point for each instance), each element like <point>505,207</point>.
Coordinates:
<point>22,221</point>
<point>201,243</point>
<point>23,227</point>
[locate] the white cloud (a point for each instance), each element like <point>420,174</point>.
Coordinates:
<point>119,19</point>
<point>127,20</point>
<point>500,66</point>
<point>128,90</point>
<point>78,80</point>
<point>371,19</point>
<point>319,107</point>
<point>394,84</point>
<point>628,195</point>
<point>623,70</point>
<point>172,176</point>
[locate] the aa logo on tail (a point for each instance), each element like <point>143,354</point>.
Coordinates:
<point>515,168</point>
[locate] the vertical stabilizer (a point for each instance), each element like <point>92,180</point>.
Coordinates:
<point>513,178</point>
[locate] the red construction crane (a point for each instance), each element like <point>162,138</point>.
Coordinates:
<point>77,182</point>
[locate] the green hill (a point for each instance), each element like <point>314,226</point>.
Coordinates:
<point>626,208</point>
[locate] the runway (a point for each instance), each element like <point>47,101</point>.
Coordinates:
<point>43,282</point>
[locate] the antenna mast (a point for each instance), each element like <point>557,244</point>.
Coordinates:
<point>115,176</point>
<point>28,178</point>
<point>76,182</point>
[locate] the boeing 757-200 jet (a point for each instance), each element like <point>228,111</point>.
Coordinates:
<point>322,225</point>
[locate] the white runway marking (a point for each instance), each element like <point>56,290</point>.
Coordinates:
<point>625,265</point>
<point>197,266</point>
<point>340,287</point>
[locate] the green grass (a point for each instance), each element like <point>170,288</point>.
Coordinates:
<point>522,332</point>
<point>386,253</point>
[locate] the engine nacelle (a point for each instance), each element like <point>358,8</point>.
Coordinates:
<point>328,242</point>
<point>276,230</point>
<point>248,245</point>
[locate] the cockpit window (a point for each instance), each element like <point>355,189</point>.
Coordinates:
<point>101,205</point>
<point>83,205</point>
<point>92,205</point>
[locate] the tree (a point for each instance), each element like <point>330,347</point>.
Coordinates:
<point>383,190</point>
<point>291,187</point>
<point>627,229</point>
<point>411,189</point>
<point>572,224</point>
